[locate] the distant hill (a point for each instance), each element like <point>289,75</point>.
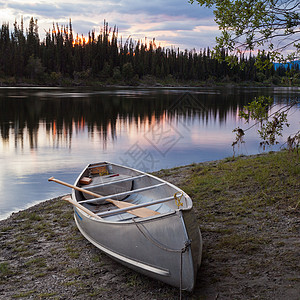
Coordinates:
<point>295,63</point>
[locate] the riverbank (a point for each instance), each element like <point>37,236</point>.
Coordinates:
<point>144,82</point>
<point>247,208</point>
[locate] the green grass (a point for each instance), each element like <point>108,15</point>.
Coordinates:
<point>98,291</point>
<point>37,262</point>
<point>97,258</point>
<point>7,228</point>
<point>134,280</point>
<point>46,295</point>
<point>26,239</point>
<point>35,217</point>
<point>5,269</point>
<point>24,294</point>
<point>72,252</point>
<point>71,283</point>
<point>242,186</point>
<point>73,271</point>
<point>244,243</point>
<point>245,208</point>
<point>234,199</point>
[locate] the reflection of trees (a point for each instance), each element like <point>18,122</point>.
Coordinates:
<point>100,113</point>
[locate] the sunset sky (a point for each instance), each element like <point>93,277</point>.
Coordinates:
<point>171,22</point>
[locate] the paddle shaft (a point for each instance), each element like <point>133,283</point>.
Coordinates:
<point>139,212</point>
<point>77,188</point>
<point>70,200</point>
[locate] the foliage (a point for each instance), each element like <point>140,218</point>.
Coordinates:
<point>270,125</point>
<point>35,68</point>
<point>270,130</point>
<point>257,110</point>
<point>63,56</point>
<point>255,24</point>
<point>128,72</point>
<point>293,142</point>
<point>239,137</point>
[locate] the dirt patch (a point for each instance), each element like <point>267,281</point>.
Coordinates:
<point>248,254</point>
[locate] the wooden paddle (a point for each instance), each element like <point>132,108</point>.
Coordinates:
<point>139,212</point>
<point>81,207</point>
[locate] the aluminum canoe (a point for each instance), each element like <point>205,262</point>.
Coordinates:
<point>166,246</point>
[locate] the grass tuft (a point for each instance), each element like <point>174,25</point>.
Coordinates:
<point>5,269</point>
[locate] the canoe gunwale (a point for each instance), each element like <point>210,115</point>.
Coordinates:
<point>99,219</point>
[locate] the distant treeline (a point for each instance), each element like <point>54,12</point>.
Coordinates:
<point>61,56</point>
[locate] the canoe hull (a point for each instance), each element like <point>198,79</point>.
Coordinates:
<point>155,251</point>
<point>166,247</point>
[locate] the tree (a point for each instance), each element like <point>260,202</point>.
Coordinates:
<point>128,71</point>
<point>270,125</point>
<point>251,24</point>
<point>32,38</point>
<point>35,68</point>
<point>248,25</point>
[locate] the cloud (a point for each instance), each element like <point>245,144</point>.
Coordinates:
<point>65,9</point>
<point>182,25</point>
<point>170,21</point>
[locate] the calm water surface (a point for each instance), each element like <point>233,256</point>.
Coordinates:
<point>55,132</point>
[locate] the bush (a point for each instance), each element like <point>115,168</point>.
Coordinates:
<point>117,74</point>
<point>56,78</point>
<point>128,72</point>
<point>34,68</point>
<point>260,77</point>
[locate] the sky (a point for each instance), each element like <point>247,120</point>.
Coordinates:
<point>173,23</point>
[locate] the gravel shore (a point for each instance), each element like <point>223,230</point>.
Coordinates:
<point>43,256</point>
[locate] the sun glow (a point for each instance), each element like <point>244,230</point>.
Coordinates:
<point>81,40</point>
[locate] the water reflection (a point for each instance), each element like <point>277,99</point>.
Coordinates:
<point>99,112</point>
<point>54,131</point>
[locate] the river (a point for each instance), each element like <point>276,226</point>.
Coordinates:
<point>57,131</point>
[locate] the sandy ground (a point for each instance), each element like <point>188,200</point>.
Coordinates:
<point>43,256</point>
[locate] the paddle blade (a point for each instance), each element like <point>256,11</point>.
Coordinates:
<point>139,212</point>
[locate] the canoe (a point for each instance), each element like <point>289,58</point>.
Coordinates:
<point>155,233</point>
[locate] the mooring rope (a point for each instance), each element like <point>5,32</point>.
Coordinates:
<point>163,247</point>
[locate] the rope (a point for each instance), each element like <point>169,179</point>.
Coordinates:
<point>177,197</point>
<point>163,247</point>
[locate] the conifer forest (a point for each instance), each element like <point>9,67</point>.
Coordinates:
<point>62,58</point>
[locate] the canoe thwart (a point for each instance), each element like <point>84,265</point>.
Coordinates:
<point>141,212</point>
<point>124,193</point>
<point>114,182</point>
<point>128,209</point>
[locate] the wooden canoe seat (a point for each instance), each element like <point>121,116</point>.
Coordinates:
<point>85,180</point>
<point>100,170</point>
